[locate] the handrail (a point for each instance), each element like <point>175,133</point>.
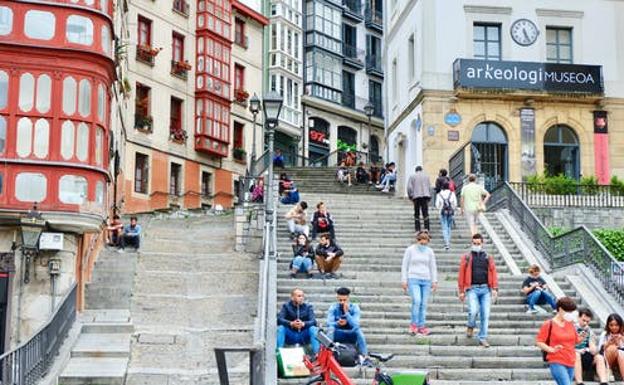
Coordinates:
<point>30,361</point>
<point>457,164</point>
<point>575,246</point>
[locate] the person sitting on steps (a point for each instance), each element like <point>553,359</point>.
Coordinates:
<point>297,219</point>
<point>322,221</point>
<point>343,174</point>
<point>328,256</point>
<point>375,174</point>
<point>586,350</point>
<point>388,179</point>
<point>131,234</point>
<point>296,323</point>
<point>303,258</point>
<point>343,323</point>
<point>611,344</point>
<point>536,290</point>
<point>114,232</point>
<point>361,175</point>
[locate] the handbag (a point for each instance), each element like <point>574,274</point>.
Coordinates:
<point>544,353</point>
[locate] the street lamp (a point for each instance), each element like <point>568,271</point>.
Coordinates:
<point>272,106</point>
<point>31,226</point>
<point>254,107</point>
<point>369,109</point>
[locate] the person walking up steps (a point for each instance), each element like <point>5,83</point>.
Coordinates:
<point>478,282</point>
<point>419,276</point>
<point>473,200</point>
<point>446,202</point>
<point>419,192</point>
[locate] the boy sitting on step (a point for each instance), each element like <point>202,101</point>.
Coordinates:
<point>536,290</point>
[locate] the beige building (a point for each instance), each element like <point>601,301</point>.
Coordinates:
<point>518,89</point>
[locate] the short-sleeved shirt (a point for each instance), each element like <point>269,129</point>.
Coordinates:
<point>529,280</point>
<point>559,335</point>
<point>585,343</point>
<point>472,194</point>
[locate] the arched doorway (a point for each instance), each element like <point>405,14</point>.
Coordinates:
<point>347,141</point>
<point>561,152</point>
<point>374,149</point>
<point>489,153</point>
<point>318,148</point>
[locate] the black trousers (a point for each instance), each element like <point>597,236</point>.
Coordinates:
<point>421,204</point>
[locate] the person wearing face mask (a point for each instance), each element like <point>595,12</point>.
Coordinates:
<point>558,338</point>
<point>478,281</point>
<point>419,276</point>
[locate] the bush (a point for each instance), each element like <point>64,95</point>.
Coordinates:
<point>617,186</point>
<point>555,231</point>
<point>613,240</point>
<point>560,185</point>
<point>589,185</point>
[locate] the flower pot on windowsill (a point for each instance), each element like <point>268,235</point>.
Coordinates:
<point>146,53</point>
<point>178,135</point>
<point>241,96</point>
<point>240,155</point>
<point>180,68</point>
<point>143,123</point>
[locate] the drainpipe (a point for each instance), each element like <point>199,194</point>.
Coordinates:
<point>20,295</point>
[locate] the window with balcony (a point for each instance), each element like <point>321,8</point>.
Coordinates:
<point>39,25</point>
<point>239,33</point>
<point>348,89</point>
<point>206,183</point>
<point>142,117</point>
<point>141,173</point>
<point>349,33</point>
<point>559,45</point>
<point>373,53</point>
<point>487,41</point>
<point>176,130</point>
<point>179,66</point>
<point>374,96</point>
<point>239,84</point>
<point>174,179</point>
<point>181,7</point>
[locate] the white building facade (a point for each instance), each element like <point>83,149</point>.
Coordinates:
<point>507,84</point>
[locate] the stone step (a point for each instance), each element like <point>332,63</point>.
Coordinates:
<point>107,328</point>
<point>99,345</point>
<point>94,371</point>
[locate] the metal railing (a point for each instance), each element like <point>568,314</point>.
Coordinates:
<point>373,62</point>
<point>570,195</point>
<point>374,16</point>
<point>458,168</point>
<point>353,52</point>
<point>575,246</point>
<point>30,361</point>
<point>353,7</point>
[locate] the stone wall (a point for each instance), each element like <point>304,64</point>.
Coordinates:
<point>572,217</point>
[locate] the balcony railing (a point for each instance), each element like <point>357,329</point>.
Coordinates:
<point>354,53</point>
<point>374,17</point>
<point>353,6</point>
<point>348,100</point>
<point>373,63</point>
<point>181,7</point>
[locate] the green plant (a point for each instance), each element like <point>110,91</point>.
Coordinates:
<point>555,231</point>
<point>560,185</point>
<point>239,153</point>
<point>343,146</point>
<point>589,185</point>
<point>617,186</point>
<point>613,240</point>
<point>535,183</point>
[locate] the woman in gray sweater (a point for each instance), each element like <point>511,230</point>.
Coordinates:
<point>419,276</point>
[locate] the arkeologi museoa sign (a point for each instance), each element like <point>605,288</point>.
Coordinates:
<point>512,75</point>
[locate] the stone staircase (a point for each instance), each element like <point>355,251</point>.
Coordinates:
<point>374,232</point>
<point>101,353</point>
<point>324,179</point>
<point>192,292</point>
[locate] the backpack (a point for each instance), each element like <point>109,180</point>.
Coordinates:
<point>547,342</point>
<point>447,207</point>
<point>346,355</point>
<point>322,223</point>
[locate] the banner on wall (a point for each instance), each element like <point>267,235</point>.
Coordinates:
<point>601,147</point>
<point>527,129</point>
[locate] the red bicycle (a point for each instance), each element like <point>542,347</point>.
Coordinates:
<point>326,370</point>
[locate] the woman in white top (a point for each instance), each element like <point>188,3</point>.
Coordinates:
<point>611,343</point>
<point>446,202</point>
<point>419,275</point>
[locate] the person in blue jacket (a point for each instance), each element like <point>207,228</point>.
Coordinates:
<point>296,323</point>
<point>343,322</point>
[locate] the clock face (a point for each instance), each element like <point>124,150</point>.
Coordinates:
<point>524,32</point>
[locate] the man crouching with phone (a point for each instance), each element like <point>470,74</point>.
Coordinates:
<point>586,350</point>
<point>343,322</point>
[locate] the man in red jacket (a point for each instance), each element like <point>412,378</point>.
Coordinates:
<point>478,282</point>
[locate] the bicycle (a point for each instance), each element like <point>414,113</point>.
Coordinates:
<point>327,371</point>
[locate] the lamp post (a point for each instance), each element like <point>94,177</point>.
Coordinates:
<point>368,110</point>
<point>31,225</point>
<point>254,107</point>
<point>272,106</point>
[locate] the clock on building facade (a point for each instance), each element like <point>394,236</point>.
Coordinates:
<point>524,32</point>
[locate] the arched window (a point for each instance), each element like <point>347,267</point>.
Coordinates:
<point>489,153</point>
<point>26,92</point>
<point>4,89</point>
<point>347,135</point>
<point>67,140</point>
<point>561,152</point>
<point>42,138</point>
<point>6,20</point>
<point>24,137</point>
<point>79,30</point>
<point>44,89</point>
<point>84,101</point>
<point>82,142</point>
<point>39,25</point>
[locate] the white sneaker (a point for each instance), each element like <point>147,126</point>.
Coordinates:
<point>385,191</point>
<point>532,311</point>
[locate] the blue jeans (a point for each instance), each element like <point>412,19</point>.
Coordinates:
<point>387,180</point>
<point>419,290</point>
<point>349,336</point>
<point>302,264</point>
<point>447,222</point>
<point>540,297</point>
<point>288,336</point>
<point>479,301</point>
<point>562,375</point>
